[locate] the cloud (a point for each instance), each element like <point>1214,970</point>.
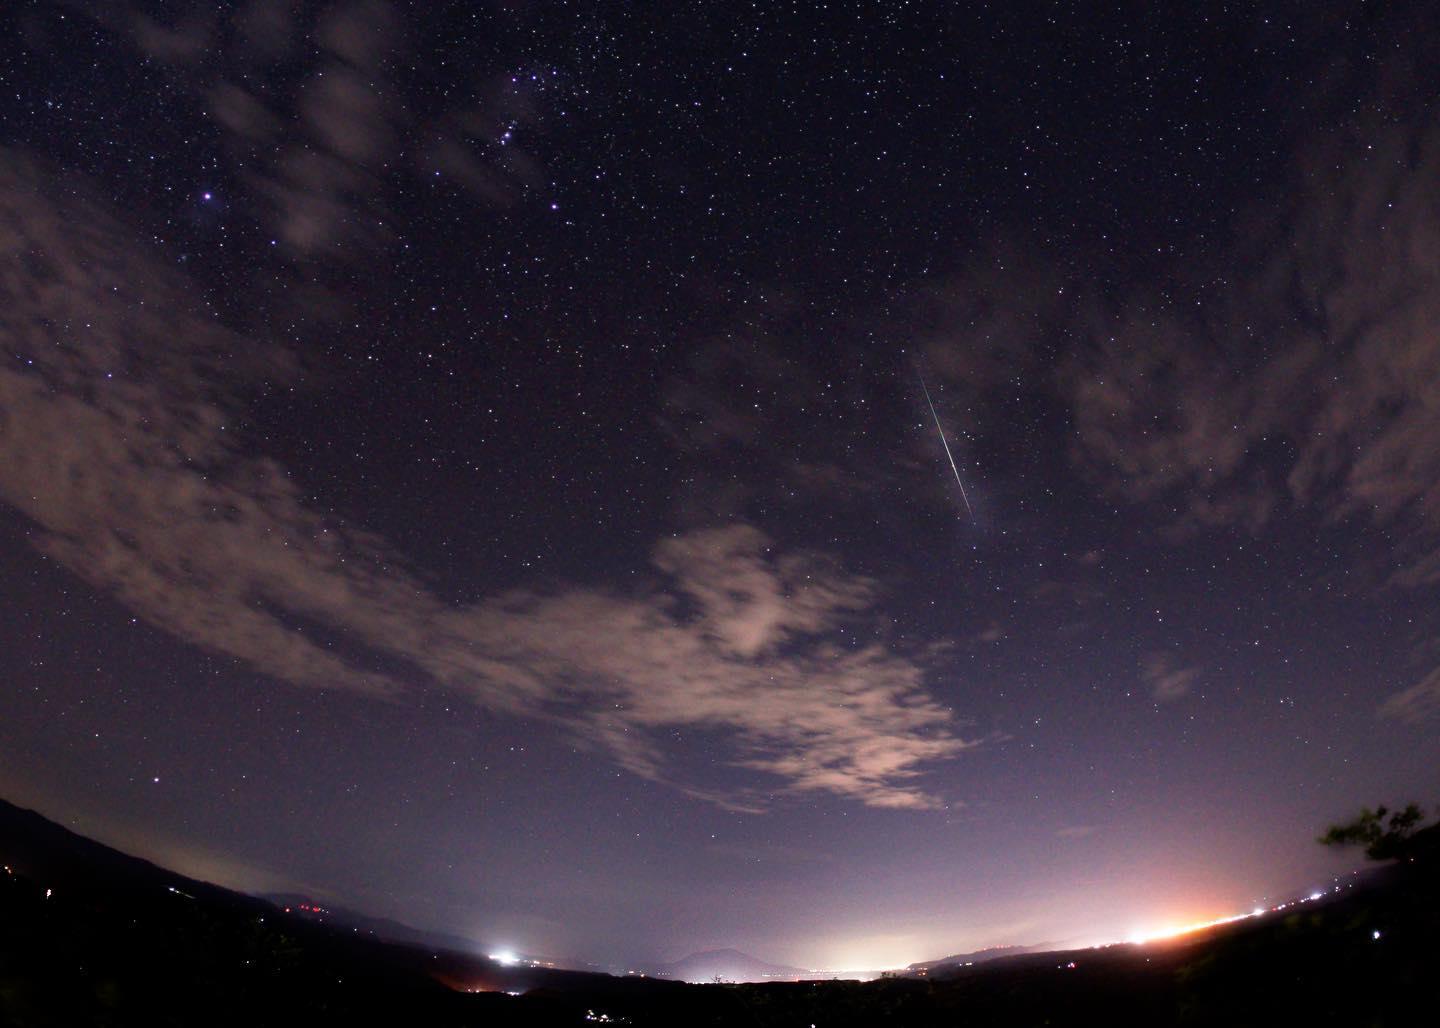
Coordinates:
<point>991,633</point>
<point>977,328</point>
<point>754,383</point>
<point>1166,681</point>
<point>735,642</point>
<point>801,419</point>
<point>184,43</point>
<point>1075,831</point>
<point>1420,701</point>
<point>321,121</point>
<point>117,443</point>
<point>749,603</point>
<point>1308,382</point>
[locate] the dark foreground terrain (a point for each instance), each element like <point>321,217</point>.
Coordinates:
<point>118,941</point>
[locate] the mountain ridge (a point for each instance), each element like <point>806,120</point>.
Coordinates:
<point>979,956</point>
<point>728,964</point>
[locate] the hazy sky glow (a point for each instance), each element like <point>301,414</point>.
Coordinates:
<point>471,465</point>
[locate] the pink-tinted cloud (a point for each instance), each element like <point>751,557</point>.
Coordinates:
<point>1167,680</point>
<point>1309,383</point>
<point>313,106</point>
<point>116,444</point>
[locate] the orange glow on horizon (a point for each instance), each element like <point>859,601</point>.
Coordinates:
<point>1174,932</point>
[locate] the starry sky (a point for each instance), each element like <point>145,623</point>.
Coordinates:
<point>471,462</point>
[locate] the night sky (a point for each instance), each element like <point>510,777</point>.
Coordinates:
<point>471,463</point>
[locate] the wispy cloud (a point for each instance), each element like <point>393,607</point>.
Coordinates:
<point>991,633</point>
<point>1166,680</point>
<point>1418,702</point>
<point>116,442</point>
<point>314,108</point>
<point>1308,384</point>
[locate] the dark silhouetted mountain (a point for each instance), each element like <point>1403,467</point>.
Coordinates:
<point>377,927</point>
<point>94,936</point>
<point>90,936</point>
<point>729,965</point>
<point>39,849</point>
<point>980,956</point>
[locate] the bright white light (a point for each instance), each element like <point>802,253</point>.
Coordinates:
<point>1375,934</point>
<point>505,956</point>
<point>1257,911</point>
<point>1314,896</point>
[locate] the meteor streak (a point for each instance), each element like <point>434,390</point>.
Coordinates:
<point>946,444</point>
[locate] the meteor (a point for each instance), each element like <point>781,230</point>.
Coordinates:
<point>946,444</point>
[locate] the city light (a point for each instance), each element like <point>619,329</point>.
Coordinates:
<point>1170,932</point>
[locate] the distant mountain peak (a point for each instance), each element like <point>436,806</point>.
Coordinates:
<point>727,964</point>
<point>979,956</point>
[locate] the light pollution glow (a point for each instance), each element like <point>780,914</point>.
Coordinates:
<point>1171,931</point>
<point>894,953</point>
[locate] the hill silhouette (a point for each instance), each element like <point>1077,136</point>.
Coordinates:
<point>309,908</point>
<point>979,956</point>
<point>728,965</point>
<point>94,937</point>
